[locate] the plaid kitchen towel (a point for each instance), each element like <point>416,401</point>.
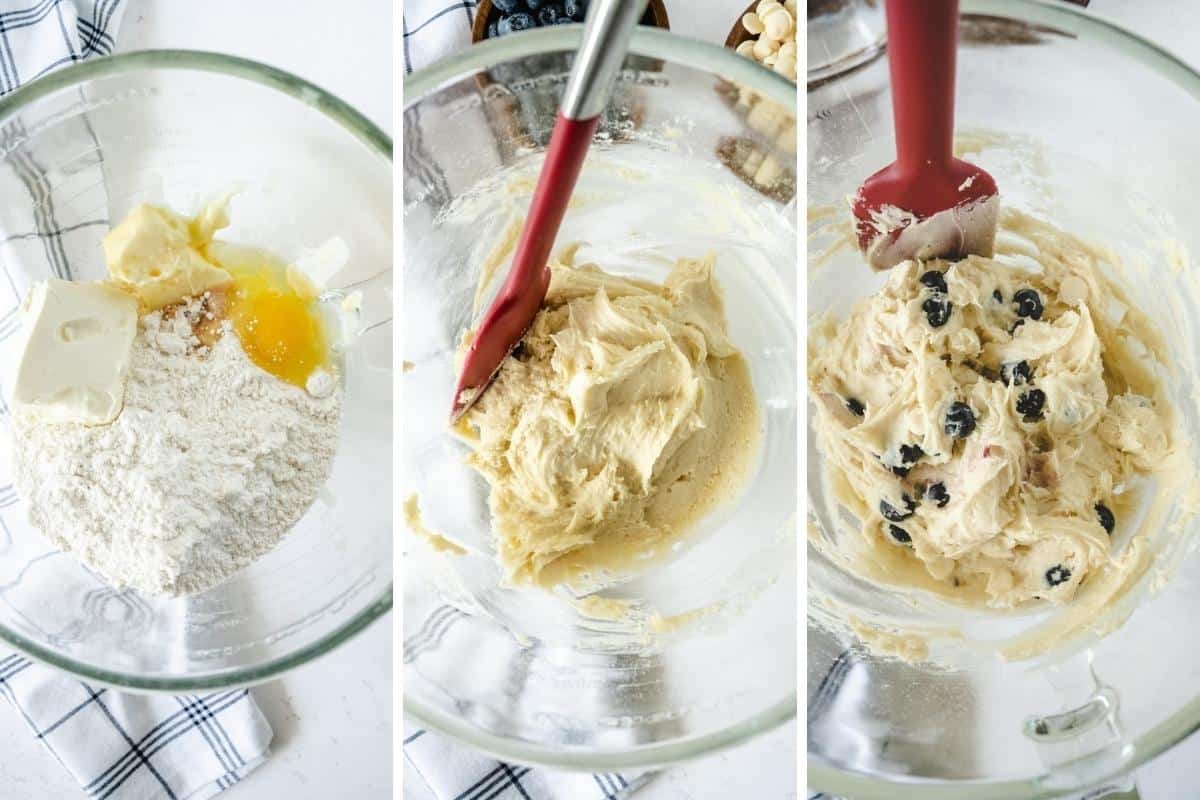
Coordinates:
<point>36,37</point>
<point>452,771</point>
<point>126,746</point>
<point>116,745</point>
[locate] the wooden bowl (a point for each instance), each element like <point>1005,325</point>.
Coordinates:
<point>485,12</point>
<point>738,33</point>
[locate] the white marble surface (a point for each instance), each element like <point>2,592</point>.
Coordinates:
<point>333,718</point>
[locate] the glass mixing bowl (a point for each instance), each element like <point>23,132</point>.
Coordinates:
<point>518,673</point>
<point>78,149</point>
<point>1092,128</point>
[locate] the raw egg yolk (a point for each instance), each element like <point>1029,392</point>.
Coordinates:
<point>278,321</point>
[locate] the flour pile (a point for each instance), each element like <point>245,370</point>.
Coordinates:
<point>207,467</point>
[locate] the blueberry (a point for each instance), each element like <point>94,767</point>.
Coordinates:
<point>1057,574</point>
<point>1031,405</point>
<point>519,21</point>
<point>960,421</point>
<point>937,310</point>
<point>938,494</point>
<point>999,298</point>
<point>552,14</point>
<point>855,407</point>
<point>893,514</point>
<point>1028,303</point>
<point>507,6</point>
<point>910,454</point>
<point>934,280</point>
<point>534,5</point>
<point>576,9</point>
<point>1016,373</point>
<point>492,31</point>
<point>1107,520</point>
<point>899,534</point>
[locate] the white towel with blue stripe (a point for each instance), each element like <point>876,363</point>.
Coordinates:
<point>453,772</point>
<point>116,745</point>
<point>138,747</point>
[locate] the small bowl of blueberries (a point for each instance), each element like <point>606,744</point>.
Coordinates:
<point>495,18</point>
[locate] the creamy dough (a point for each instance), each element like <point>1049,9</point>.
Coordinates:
<point>625,415</point>
<point>159,256</point>
<point>1007,502</point>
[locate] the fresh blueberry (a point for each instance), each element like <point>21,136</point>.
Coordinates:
<point>899,534</point>
<point>934,280</point>
<point>1028,303</point>
<point>507,6</point>
<point>492,31</point>
<point>1057,574</point>
<point>552,14</point>
<point>999,298</point>
<point>910,454</point>
<point>576,9</point>
<point>519,21</point>
<point>937,493</point>
<point>893,514</point>
<point>855,406</point>
<point>1107,520</point>
<point>937,310</point>
<point>1031,405</point>
<point>534,5</point>
<point>1016,373</point>
<point>960,421</point>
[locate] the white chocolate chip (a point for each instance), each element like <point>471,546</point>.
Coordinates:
<point>785,67</point>
<point>777,24</point>
<point>764,47</point>
<point>752,24</point>
<point>746,49</point>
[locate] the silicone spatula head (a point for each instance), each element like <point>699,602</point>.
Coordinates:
<point>926,204</point>
<point>609,27</point>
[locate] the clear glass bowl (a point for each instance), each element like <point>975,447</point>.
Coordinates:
<point>78,149</point>
<point>1092,128</point>
<point>515,672</point>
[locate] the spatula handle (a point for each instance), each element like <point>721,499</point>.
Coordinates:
<point>922,38</point>
<point>609,27</point>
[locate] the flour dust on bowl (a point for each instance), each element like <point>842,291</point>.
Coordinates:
<point>988,673</point>
<point>602,550</point>
<point>196,371</point>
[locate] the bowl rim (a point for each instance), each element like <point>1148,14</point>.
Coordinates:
<point>656,44</point>
<point>370,135</point>
<point>824,775</point>
<point>646,42</point>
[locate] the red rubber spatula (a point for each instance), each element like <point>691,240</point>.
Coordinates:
<point>606,35</point>
<point>926,204</point>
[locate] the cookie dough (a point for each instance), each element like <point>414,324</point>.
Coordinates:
<point>624,416</point>
<point>989,422</point>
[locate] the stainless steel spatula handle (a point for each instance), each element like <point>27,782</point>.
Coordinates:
<point>609,27</point>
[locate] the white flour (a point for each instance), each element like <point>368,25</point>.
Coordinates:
<point>209,465</point>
